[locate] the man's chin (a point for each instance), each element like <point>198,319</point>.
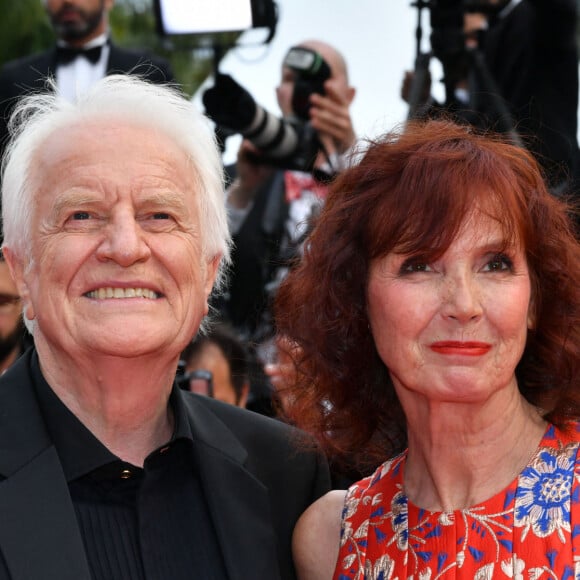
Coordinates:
<point>72,31</point>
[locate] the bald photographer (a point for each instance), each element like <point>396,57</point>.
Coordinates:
<point>281,175</point>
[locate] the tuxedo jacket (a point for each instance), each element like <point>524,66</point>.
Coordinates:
<point>29,74</point>
<point>255,481</point>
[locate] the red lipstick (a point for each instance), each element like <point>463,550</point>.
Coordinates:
<point>455,347</point>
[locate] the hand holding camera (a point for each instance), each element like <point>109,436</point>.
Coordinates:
<point>287,143</point>
<point>330,117</point>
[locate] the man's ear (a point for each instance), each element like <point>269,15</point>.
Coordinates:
<point>350,94</point>
<point>17,269</point>
<point>211,273</point>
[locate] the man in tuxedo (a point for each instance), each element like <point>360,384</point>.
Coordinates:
<point>115,232</point>
<point>84,52</point>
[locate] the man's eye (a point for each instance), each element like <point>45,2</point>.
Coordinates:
<point>80,215</point>
<point>161,216</point>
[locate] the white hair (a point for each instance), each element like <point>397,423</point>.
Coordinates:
<point>132,99</point>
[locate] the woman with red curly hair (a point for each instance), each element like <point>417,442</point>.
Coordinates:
<point>434,322</point>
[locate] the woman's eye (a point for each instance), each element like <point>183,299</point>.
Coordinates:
<point>412,266</point>
<point>499,263</point>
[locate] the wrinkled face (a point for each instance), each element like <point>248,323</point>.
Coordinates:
<point>212,359</point>
<point>78,19</point>
<point>117,265</point>
<point>453,329</point>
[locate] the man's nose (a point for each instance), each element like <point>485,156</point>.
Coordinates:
<point>125,241</point>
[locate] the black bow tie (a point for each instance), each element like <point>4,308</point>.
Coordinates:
<point>66,54</point>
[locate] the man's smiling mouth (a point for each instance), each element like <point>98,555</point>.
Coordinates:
<point>109,292</point>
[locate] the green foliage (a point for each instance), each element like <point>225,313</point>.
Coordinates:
<point>24,28</point>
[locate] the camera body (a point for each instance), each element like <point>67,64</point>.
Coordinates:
<point>311,71</point>
<point>288,143</point>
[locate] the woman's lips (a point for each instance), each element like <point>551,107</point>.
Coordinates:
<point>452,347</point>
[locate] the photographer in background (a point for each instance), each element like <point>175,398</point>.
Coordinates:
<point>14,337</point>
<point>273,195</point>
<point>528,48</point>
<point>216,364</point>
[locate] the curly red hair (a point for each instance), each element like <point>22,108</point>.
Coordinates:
<point>411,192</point>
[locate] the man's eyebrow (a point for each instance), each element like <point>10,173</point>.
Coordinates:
<point>78,199</point>
<point>66,201</point>
<point>163,199</point>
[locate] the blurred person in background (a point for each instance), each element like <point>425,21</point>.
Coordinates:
<point>435,329</point>
<point>115,234</point>
<point>216,364</point>
<point>14,338</point>
<point>84,52</point>
<point>528,49</point>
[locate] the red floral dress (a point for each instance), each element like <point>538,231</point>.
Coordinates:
<point>530,530</point>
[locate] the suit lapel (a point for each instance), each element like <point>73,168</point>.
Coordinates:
<point>238,502</point>
<point>117,63</point>
<point>39,535</point>
<point>123,61</point>
<point>33,76</point>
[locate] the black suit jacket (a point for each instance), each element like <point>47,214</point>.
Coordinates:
<point>533,58</point>
<point>255,482</point>
<point>29,74</point>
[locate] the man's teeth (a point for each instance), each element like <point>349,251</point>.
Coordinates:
<point>103,293</point>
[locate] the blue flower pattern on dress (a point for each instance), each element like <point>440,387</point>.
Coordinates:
<point>529,531</point>
<point>544,493</point>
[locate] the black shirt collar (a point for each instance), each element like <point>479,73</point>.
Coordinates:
<point>80,452</point>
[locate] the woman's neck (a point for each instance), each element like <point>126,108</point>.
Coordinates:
<point>460,456</point>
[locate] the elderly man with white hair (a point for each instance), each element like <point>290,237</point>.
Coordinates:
<point>116,233</point>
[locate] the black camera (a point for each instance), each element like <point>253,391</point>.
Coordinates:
<point>289,143</point>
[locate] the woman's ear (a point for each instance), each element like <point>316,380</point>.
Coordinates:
<point>532,315</point>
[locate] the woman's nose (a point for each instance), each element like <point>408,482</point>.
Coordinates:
<point>462,299</point>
